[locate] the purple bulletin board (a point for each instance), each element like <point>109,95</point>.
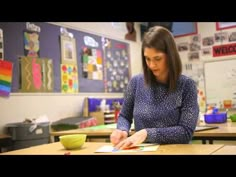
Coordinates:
<point>115,75</point>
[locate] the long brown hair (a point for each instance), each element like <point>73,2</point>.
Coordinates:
<point>162,40</point>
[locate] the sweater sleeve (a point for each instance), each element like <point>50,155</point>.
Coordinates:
<point>125,118</point>
<point>183,131</point>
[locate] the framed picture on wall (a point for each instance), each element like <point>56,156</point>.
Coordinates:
<point>68,50</point>
<point>225,25</point>
<point>181,29</point>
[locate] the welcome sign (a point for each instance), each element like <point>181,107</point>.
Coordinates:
<point>224,50</point>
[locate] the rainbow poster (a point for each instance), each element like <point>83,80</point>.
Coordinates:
<point>5,77</point>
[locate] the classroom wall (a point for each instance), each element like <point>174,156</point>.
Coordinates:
<point>205,29</point>
<point>56,105</point>
<point>194,66</point>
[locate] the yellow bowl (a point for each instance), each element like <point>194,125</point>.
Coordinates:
<point>73,141</point>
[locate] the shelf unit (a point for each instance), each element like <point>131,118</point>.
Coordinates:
<point>109,117</point>
<point>106,117</point>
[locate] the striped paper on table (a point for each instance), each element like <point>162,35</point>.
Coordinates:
<point>5,77</point>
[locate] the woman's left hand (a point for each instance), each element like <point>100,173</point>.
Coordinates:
<point>133,140</point>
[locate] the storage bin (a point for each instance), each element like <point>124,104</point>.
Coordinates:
<point>28,143</point>
<point>21,131</point>
<point>216,118</point>
<point>24,137</point>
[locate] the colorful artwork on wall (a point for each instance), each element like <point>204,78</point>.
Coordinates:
<point>5,77</point>
<point>31,44</point>
<point>68,50</point>
<point>60,50</point>
<point>92,64</point>
<point>36,74</point>
<point>69,78</point>
<point>116,65</point>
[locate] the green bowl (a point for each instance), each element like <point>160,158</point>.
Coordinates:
<point>233,117</point>
<point>75,141</point>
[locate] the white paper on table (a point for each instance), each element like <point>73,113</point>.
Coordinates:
<point>138,148</point>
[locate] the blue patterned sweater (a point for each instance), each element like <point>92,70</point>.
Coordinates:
<point>169,118</point>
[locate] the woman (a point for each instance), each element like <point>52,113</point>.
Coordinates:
<point>162,101</point>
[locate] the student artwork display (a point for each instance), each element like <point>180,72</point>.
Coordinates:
<point>69,78</point>
<point>201,99</point>
<point>232,37</point>
<point>207,51</point>
<point>36,74</point>
<point>92,64</point>
<point>196,72</point>
<point>104,67</point>
<point>116,65</point>
<point>5,77</point>
<point>195,43</point>
<point>31,43</point>
<point>221,37</point>
<point>68,50</point>
<point>184,46</point>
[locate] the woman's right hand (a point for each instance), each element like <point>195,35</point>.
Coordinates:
<point>117,136</point>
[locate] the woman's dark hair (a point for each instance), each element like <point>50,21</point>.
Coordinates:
<point>162,40</point>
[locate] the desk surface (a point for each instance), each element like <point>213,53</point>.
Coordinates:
<point>229,123</point>
<point>226,150</point>
<point>227,129</point>
<point>90,147</point>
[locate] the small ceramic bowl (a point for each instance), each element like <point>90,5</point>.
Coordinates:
<point>75,141</point>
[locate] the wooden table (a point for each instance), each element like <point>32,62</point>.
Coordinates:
<point>226,150</point>
<point>226,132</point>
<point>89,148</point>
